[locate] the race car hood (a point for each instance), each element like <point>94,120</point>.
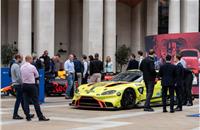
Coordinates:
<point>98,88</point>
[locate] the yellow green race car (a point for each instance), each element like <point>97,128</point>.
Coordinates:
<point>126,90</point>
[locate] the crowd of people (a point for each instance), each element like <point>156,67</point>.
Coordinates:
<point>84,70</point>
<point>24,75</point>
<point>174,77</point>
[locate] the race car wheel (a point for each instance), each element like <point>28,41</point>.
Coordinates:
<point>128,99</point>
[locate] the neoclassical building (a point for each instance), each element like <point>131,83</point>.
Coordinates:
<point>90,26</point>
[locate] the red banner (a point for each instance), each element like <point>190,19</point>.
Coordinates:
<point>188,44</point>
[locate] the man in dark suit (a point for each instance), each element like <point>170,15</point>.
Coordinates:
<point>149,74</point>
<point>132,64</point>
<point>46,60</point>
<point>96,67</point>
<point>167,73</point>
<point>187,90</point>
<point>78,66</point>
<point>179,82</point>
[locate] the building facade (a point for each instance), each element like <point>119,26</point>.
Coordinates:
<point>90,26</point>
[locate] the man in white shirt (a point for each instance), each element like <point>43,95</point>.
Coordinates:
<point>85,72</point>
<point>30,91</point>
<point>141,57</point>
<point>182,61</point>
<point>70,71</point>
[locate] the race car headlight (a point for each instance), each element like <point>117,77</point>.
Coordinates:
<point>140,90</point>
<point>118,94</point>
<point>109,92</point>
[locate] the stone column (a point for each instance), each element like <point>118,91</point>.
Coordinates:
<point>110,31</point>
<point>137,26</point>
<point>45,26</point>
<point>62,26</point>
<point>92,27</point>
<point>189,16</point>
<point>24,27</point>
<point>76,27</point>
<point>12,9</point>
<point>174,16</point>
<point>152,17</point>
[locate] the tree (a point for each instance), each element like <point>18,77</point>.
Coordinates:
<point>7,53</point>
<point>122,56</point>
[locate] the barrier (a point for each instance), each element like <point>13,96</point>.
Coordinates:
<point>41,86</point>
<point>6,81</point>
<point>5,77</point>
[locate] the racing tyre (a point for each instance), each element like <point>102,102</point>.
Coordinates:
<point>128,99</point>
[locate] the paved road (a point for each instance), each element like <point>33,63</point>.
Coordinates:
<point>63,117</point>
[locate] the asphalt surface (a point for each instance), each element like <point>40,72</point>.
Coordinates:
<point>64,117</point>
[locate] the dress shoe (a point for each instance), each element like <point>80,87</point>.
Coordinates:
<point>67,97</point>
<point>17,117</point>
<point>171,111</point>
<point>43,119</point>
<point>148,109</point>
<point>31,115</point>
<point>184,103</point>
<point>164,110</point>
<point>189,104</point>
<point>178,109</point>
<point>28,118</point>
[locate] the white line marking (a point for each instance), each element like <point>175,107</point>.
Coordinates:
<point>42,106</point>
<point>71,119</point>
<point>198,128</point>
<point>98,124</point>
<point>134,114</point>
<point>46,99</point>
<point>11,122</point>
<point>14,122</point>
<point>125,115</point>
<point>103,125</point>
<point>7,99</point>
<point>3,113</point>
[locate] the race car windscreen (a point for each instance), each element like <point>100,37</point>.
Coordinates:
<point>189,54</point>
<point>127,76</point>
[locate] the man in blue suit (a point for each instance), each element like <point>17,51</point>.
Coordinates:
<point>179,85</point>
<point>167,73</point>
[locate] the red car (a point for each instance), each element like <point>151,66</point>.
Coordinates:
<point>192,58</point>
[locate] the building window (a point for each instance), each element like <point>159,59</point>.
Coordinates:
<point>163,16</point>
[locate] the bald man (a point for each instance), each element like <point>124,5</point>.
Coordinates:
<point>30,92</point>
<point>16,81</point>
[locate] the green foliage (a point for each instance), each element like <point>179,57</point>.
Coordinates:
<point>7,53</point>
<point>122,55</point>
